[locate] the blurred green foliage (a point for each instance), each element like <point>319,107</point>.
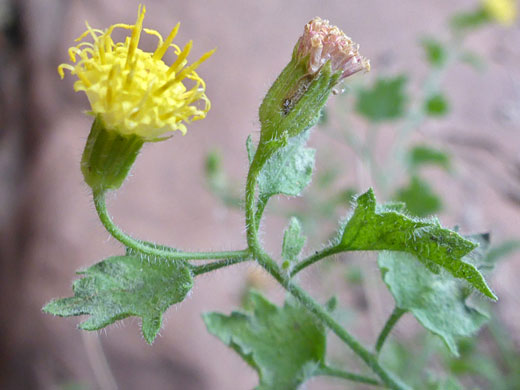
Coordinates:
<point>419,197</point>
<point>436,105</point>
<point>385,100</point>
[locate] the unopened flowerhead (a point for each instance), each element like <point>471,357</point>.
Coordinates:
<point>321,43</point>
<point>133,91</point>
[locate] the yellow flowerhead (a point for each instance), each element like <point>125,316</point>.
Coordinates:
<point>503,11</point>
<point>133,91</point>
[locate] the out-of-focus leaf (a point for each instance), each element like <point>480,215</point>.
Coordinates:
<point>473,59</point>
<point>293,242</point>
<point>354,275</point>
<point>436,105</point>
<point>438,301</point>
<point>289,170</point>
<point>421,155</point>
<point>124,286</point>
<point>331,304</point>
<point>373,227</point>
<point>327,177</point>
<point>218,182</point>
<point>502,250</point>
<point>470,20</point>
<point>386,100</point>
<point>419,198</point>
<point>285,345</point>
<point>435,51</point>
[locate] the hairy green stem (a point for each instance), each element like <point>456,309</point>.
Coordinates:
<point>262,202</point>
<point>329,251</point>
<point>146,248</point>
<point>338,373</point>
<point>202,269</point>
<point>306,300</point>
<point>396,315</point>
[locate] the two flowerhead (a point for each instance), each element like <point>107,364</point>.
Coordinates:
<point>136,97</point>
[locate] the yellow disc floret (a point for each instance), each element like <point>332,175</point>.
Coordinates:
<point>134,91</point>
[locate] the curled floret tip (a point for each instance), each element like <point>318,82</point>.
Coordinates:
<point>322,42</point>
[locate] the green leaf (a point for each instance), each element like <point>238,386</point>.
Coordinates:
<point>373,227</point>
<point>470,20</point>
<point>293,242</point>
<point>421,155</point>
<point>436,105</point>
<point>289,170</point>
<point>438,301</point>
<point>435,51</point>
<point>285,345</point>
<point>419,198</point>
<point>213,163</point>
<point>386,100</point>
<point>331,304</point>
<point>124,286</point>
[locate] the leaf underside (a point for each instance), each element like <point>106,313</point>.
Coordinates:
<point>124,286</point>
<point>289,170</point>
<point>438,301</point>
<point>285,345</point>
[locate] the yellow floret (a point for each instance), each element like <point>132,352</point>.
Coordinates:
<point>134,91</point>
<point>503,11</point>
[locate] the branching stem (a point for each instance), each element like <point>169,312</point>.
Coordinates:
<point>329,251</point>
<point>262,202</point>
<point>306,300</point>
<point>205,268</point>
<point>338,373</point>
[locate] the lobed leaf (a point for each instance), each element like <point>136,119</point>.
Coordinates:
<point>285,345</point>
<point>373,227</point>
<point>438,301</point>
<point>124,286</point>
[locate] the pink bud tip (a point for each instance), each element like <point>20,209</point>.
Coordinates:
<point>323,42</point>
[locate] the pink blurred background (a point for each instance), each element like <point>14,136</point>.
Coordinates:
<point>48,226</point>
